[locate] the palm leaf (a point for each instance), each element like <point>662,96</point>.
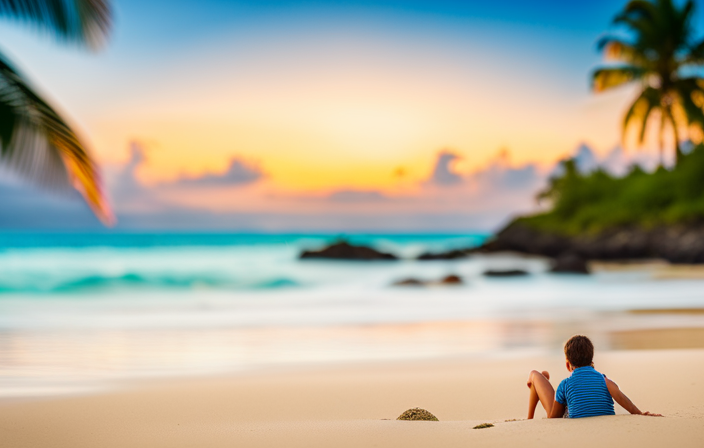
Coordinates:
<point>639,9</point>
<point>695,55</point>
<point>616,49</point>
<point>83,22</point>
<point>691,100</point>
<point>610,77</point>
<point>640,110</point>
<point>644,29</point>
<point>40,146</point>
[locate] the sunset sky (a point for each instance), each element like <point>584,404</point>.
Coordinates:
<point>294,106</point>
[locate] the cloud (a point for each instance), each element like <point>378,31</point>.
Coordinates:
<point>618,162</point>
<point>442,172</point>
<point>27,207</point>
<point>585,159</point>
<point>239,172</point>
<point>122,181</point>
<point>356,196</point>
<point>499,176</point>
<point>482,199</point>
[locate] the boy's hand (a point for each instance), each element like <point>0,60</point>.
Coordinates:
<point>651,414</point>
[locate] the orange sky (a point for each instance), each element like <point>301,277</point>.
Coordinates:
<point>321,105</point>
<point>349,118</point>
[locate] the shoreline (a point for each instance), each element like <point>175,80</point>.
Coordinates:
<point>410,342</point>
<point>350,404</point>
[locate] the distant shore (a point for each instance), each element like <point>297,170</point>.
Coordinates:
<point>680,244</point>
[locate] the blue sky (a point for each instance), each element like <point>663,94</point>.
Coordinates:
<point>323,98</point>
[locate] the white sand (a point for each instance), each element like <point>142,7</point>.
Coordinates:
<point>343,406</point>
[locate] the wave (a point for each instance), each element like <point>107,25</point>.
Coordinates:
<point>132,280</point>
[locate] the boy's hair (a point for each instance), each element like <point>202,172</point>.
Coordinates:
<point>579,351</point>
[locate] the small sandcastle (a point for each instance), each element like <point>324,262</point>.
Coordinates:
<point>417,414</point>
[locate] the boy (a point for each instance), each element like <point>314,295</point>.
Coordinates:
<point>585,393</point>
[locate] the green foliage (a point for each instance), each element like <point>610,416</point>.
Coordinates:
<point>36,142</point>
<point>80,22</point>
<point>661,47</point>
<point>593,202</point>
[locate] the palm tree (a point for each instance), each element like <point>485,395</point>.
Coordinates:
<point>37,143</point>
<point>662,47</point>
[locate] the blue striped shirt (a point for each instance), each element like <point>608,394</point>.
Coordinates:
<point>585,394</point>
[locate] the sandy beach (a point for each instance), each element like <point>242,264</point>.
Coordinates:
<point>356,405</point>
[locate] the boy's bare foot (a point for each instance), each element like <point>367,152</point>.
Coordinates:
<point>546,374</point>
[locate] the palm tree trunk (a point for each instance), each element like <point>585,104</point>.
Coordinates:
<point>661,138</point>
<point>678,150</point>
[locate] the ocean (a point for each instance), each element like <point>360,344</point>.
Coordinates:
<point>87,311</point>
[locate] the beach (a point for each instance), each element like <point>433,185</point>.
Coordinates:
<point>196,340</point>
<point>352,405</point>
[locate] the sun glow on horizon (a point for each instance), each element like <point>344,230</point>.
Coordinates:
<point>346,114</point>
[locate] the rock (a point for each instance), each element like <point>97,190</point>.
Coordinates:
<point>448,280</point>
<point>451,280</point>
<point>449,255</point>
<point>409,282</point>
<point>505,273</point>
<point>417,414</point>
<point>346,251</point>
<point>570,263</point>
<point>677,243</point>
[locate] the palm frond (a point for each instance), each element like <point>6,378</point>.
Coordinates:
<point>83,22</point>
<point>40,146</point>
<point>639,112</point>
<point>695,55</point>
<point>638,9</point>
<point>610,77</point>
<point>691,99</point>
<point>616,49</point>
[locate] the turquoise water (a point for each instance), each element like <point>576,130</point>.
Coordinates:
<point>82,312</point>
<point>74,263</point>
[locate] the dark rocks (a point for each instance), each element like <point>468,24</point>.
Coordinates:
<point>346,251</point>
<point>449,255</point>
<point>451,280</point>
<point>447,280</point>
<point>417,414</point>
<point>570,264</point>
<point>409,282</point>
<point>676,243</point>
<point>505,273</point>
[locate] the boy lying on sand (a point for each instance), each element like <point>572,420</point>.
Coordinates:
<point>585,393</point>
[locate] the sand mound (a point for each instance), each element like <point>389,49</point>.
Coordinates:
<point>417,414</point>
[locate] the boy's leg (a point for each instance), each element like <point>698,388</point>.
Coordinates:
<point>540,390</point>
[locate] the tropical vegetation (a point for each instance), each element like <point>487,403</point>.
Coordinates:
<point>37,143</point>
<point>596,201</point>
<point>659,53</point>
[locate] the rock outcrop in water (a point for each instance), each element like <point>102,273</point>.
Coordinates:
<point>449,255</point>
<point>346,251</point>
<point>505,273</point>
<point>451,279</point>
<point>570,264</point>
<point>676,244</point>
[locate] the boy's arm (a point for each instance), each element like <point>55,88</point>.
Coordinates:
<point>623,400</point>
<point>557,411</point>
